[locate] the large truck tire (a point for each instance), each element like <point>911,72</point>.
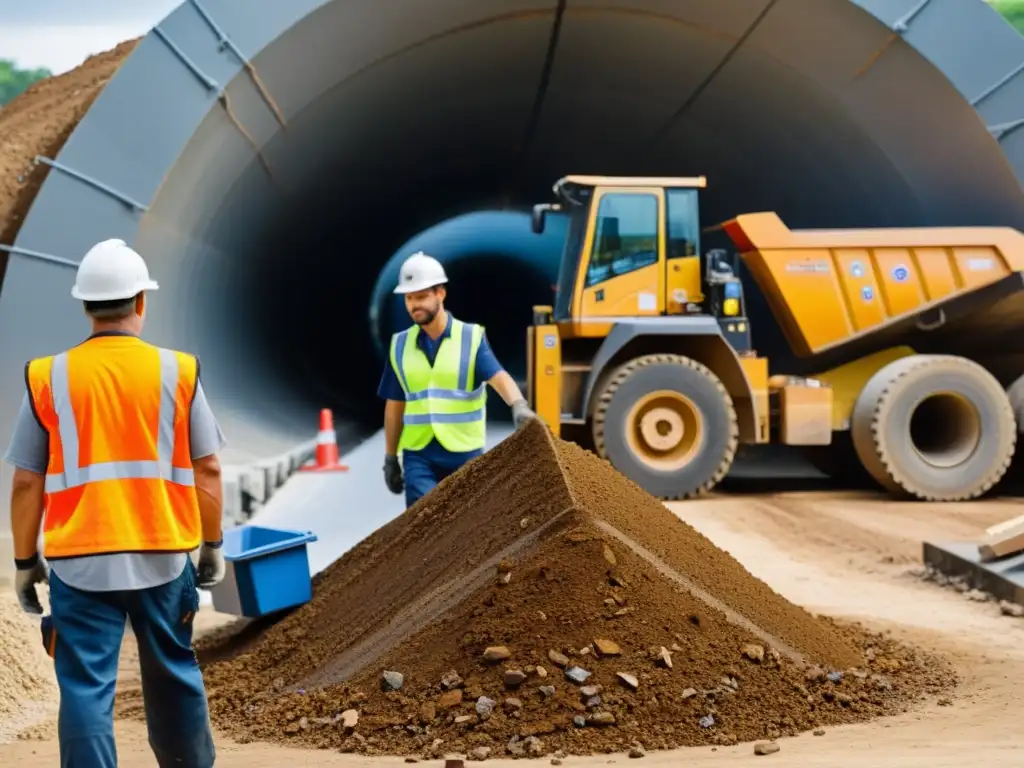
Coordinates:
<point>934,427</point>
<point>668,424</point>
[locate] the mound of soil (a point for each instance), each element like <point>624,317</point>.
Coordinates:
<point>537,602</point>
<point>38,122</point>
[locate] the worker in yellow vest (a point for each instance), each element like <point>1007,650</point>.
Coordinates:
<point>434,383</point>
<point>115,456</point>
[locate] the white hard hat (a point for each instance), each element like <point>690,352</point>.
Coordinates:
<point>111,271</point>
<point>420,272</point>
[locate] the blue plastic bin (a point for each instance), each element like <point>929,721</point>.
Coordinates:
<point>267,571</point>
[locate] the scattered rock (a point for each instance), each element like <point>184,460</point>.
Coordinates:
<point>977,596</point>
<point>484,706</point>
<point>689,693</point>
<point>584,651</point>
<point>428,711</point>
<point>664,658</point>
<point>607,647</point>
<point>636,752</point>
<point>707,721</point>
<point>577,674</point>
<point>515,747</point>
<point>593,702</point>
<point>754,652</point>
<point>556,761</point>
<point>628,680</point>
<point>505,566</point>
<point>514,677</point>
<point>496,653</point>
<point>945,702</point>
<point>601,718</point>
<point>558,659</point>
<point>548,691</point>
<point>814,675</point>
<point>349,719</point>
<point>542,616</point>
<point>534,745</point>
<point>541,672</point>
<point>609,556</point>
<point>579,721</point>
<point>451,679</point>
<point>480,753</point>
<point>835,677</point>
<point>504,579</point>
<point>463,719</point>
<point>391,681</point>
<point>590,690</point>
<point>1011,609</point>
<point>766,748</point>
<point>450,699</point>
<point>819,732</point>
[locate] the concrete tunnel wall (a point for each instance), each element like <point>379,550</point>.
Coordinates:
<point>398,114</point>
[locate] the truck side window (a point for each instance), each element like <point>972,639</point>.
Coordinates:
<point>625,236</point>
<point>683,223</point>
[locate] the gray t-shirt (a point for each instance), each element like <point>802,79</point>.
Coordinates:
<point>29,450</point>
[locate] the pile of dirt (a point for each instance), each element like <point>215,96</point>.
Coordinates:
<point>28,688</point>
<point>538,602</point>
<point>38,122</point>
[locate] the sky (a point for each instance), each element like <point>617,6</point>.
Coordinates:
<point>60,34</point>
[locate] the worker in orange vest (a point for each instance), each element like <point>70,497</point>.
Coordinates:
<point>115,456</point>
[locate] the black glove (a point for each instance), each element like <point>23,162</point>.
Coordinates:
<point>393,475</point>
<point>29,573</point>
<point>521,413</point>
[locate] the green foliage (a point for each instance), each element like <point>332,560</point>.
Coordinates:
<point>1012,11</point>
<point>13,80</point>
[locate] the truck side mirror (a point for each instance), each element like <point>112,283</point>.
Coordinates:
<point>537,218</point>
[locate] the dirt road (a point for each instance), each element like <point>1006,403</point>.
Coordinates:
<point>846,555</point>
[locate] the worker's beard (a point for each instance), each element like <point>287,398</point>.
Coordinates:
<point>425,316</point>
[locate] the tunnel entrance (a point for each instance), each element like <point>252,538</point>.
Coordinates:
<point>403,120</point>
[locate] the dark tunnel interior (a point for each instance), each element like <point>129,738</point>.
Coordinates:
<point>408,122</point>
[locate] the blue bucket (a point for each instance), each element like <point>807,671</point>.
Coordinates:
<point>267,571</point>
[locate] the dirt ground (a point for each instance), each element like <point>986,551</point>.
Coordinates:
<point>845,555</point>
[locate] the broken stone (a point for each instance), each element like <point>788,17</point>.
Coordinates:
<point>484,706</point>
<point>609,556</point>
<point>556,761</point>
<point>590,690</point>
<point>579,721</point>
<point>766,748</point>
<point>945,702</point>
<point>496,653</point>
<point>514,677</point>
<point>622,611</point>
<point>664,658</point>
<point>548,691</point>
<point>391,681</point>
<point>628,680</point>
<point>707,721</point>
<point>541,672</point>
<point>428,711</point>
<point>542,616</point>
<point>534,745</point>
<point>819,732</point>
<point>616,581</point>
<point>450,699</point>
<point>349,719</point>
<point>607,647</point>
<point>464,719</point>
<point>592,702</point>
<point>676,648</point>
<point>602,718</point>
<point>515,747</point>
<point>689,693</point>
<point>577,674</point>
<point>513,703</point>
<point>451,679</point>
<point>754,652</point>
<point>584,651</point>
<point>505,566</point>
<point>558,659</point>
<point>835,677</point>
<point>814,675</point>
<point>504,579</point>
<point>1011,609</point>
<point>636,752</point>
<point>480,753</point>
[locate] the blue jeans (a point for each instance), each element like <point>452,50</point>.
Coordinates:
<point>426,468</point>
<point>89,627</point>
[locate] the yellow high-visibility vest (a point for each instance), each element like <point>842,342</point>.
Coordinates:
<point>443,401</point>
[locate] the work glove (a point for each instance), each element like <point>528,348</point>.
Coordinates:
<point>211,566</point>
<point>29,573</point>
<point>393,475</point>
<point>522,414</point>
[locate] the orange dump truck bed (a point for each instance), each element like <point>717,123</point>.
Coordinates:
<point>831,287</point>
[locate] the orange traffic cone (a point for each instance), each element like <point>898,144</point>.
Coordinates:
<point>326,447</point>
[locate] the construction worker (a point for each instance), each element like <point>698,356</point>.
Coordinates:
<point>434,383</point>
<point>115,456</point>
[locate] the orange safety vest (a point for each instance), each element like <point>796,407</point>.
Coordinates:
<point>119,477</point>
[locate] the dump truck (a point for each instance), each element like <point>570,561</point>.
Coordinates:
<point>896,341</point>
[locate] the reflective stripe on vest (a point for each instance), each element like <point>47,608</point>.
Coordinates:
<point>439,401</point>
<point>75,475</point>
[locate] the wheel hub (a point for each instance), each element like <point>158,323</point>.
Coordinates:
<point>665,430</point>
<point>662,428</point>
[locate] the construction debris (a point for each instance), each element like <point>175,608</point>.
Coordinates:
<point>418,597</point>
<point>993,567</point>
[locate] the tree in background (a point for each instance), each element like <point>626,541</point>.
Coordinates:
<point>1012,11</point>
<point>13,80</point>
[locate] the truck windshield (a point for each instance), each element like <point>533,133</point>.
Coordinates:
<point>570,259</point>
